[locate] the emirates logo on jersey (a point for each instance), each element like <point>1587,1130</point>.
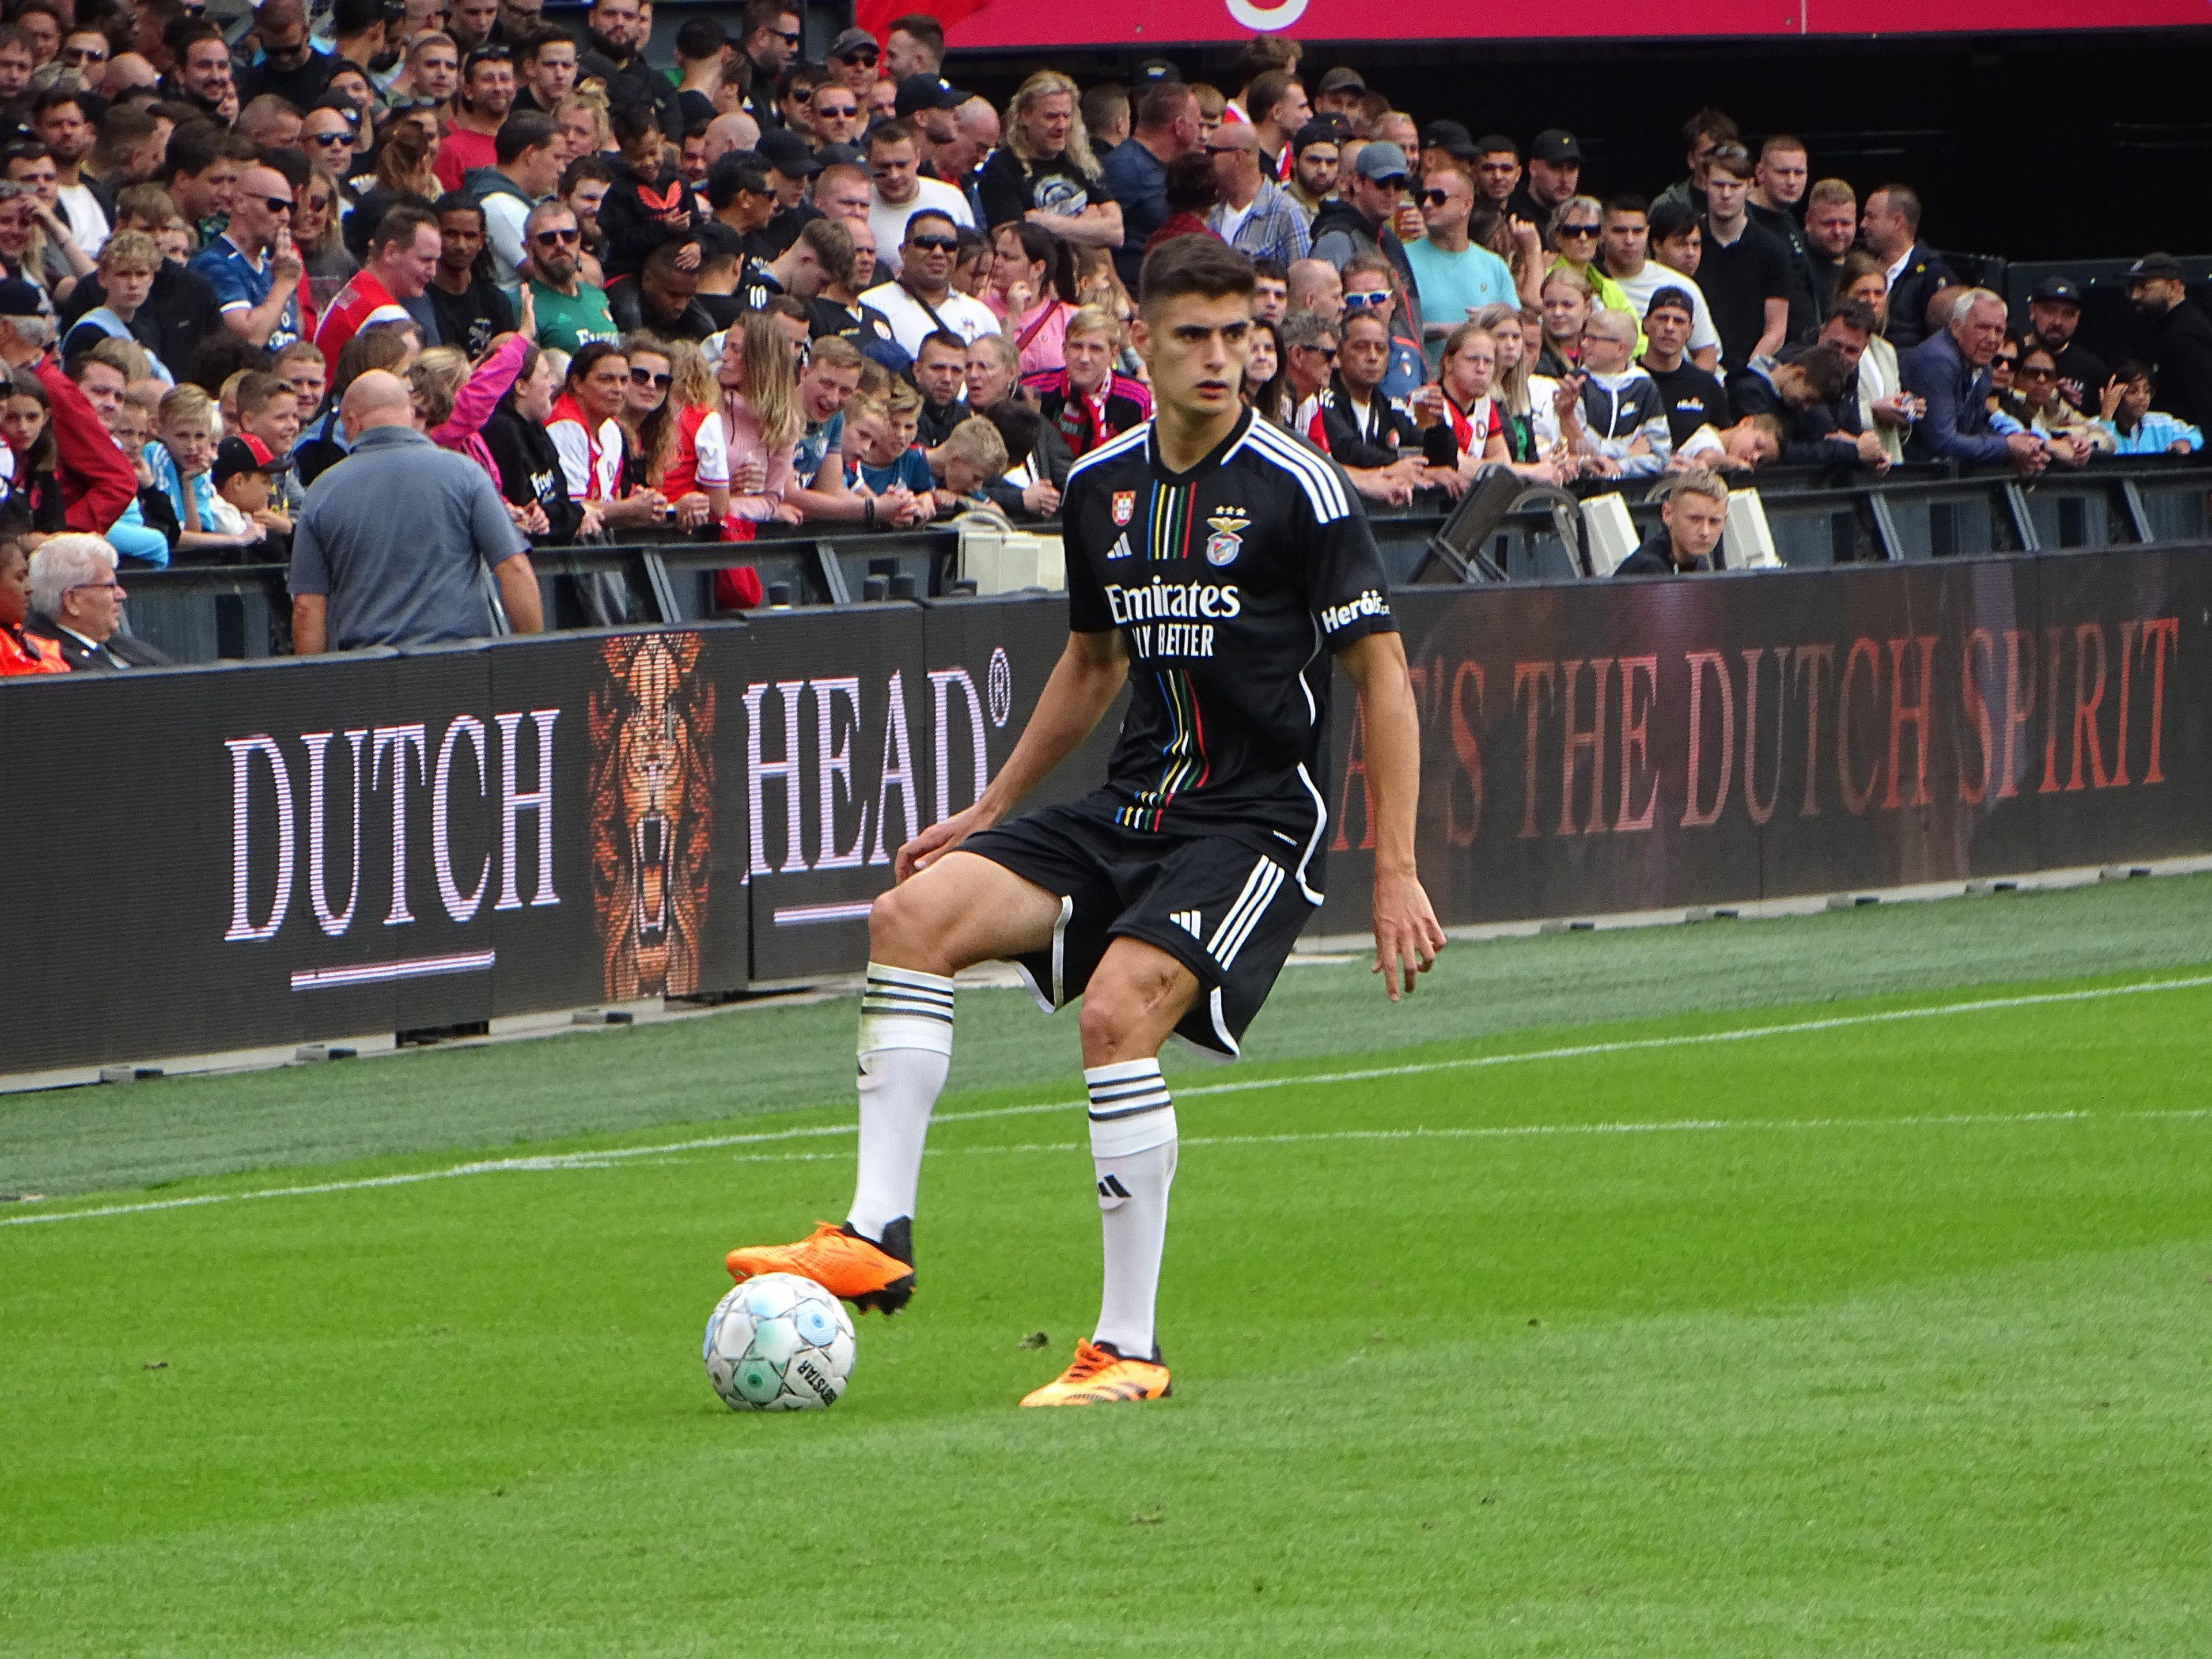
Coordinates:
<point>1124,506</point>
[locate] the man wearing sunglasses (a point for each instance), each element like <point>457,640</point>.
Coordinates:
<point>922,300</point>
<point>571,312</point>
<point>1358,223</point>
<point>288,65</point>
<point>252,267</point>
<point>1454,277</point>
<point>770,42</point>
<point>853,59</point>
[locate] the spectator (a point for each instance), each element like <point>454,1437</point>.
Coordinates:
<point>1087,400</point>
<point>1890,227</point>
<point>994,373</point>
<point>663,296</point>
<point>270,123</point>
<point>571,312</point>
<point>102,377</point>
<point>1032,291</point>
<point>1314,285</point>
<point>1530,455</point>
<point>1310,352</point>
<point>1753,442</point>
<point>852,60</point>
<point>2070,437</point>
<point>1578,231</point>
<point>1276,105</point>
<point>1497,175</point>
<point>486,96</point>
<point>1744,270</point>
<point>1471,433</point>
<point>1136,174</point>
<point>794,100</point>
<point>545,62</point>
<point>913,45</point>
<point>1267,382</point>
<point>252,266</point>
<point>651,408</point>
<point>1036,457</point>
<point>583,192</point>
<point>470,308</point>
<point>818,486</point>
<point>614,56</point>
<point>961,162</point>
<point>1192,195</point>
<point>1691,397</point>
<point>392,546</point>
<point>1690,520</point>
<point>269,412</point>
<point>130,263</point>
<point>1044,170</point>
<point>1949,372</point>
<point>1363,223</point>
<point>28,435</point>
<point>290,67</point>
<point>525,169</point>
<point>898,190</point>
<point>1454,278</point>
<point>244,473</point>
<point>21,651</point>
<point>1255,216</point>
<point>848,261</point>
<point>76,607</point>
<point>1702,134</point>
<point>402,255</point>
<point>1371,282</point>
<point>744,202</point>
<point>922,298</point>
<point>1612,415</point>
<point>1568,302</point>
<point>1637,277</point>
<point>926,103</point>
<point>1832,225</point>
<point>1777,186</point>
<point>587,429</point>
<point>473,23</point>
<point>1555,171</point>
<point>1359,427</point>
<point>2181,364</point>
<point>1313,166</point>
<point>96,484</point>
<point>2135,427</point>
<point>523,455</point>
<point>405,176</point>
<point>702,48</point>
<point>181,463</point>
<point>1270,289</point>
<point>318,241</point>
<point>886,467</point>
<point>1802,391</point>
<point>648,201</point>
<point>940,375</point>
<point>975,459</point>
<point>2054,312</point>
<point>59,120</point>
<point>1106,117</point>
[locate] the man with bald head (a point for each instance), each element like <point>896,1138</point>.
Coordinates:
<point>736,130</point>
<point>392,543</point>
<point>252,266</point>
<point>1256,215</point>
<point>1317,285</point>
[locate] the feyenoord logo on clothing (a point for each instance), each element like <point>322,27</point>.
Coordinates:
<point>1227,540</point>
<point>1124,506</point>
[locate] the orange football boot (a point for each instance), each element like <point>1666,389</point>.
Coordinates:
<point>1101,1376</point>
<point>860,1271</point>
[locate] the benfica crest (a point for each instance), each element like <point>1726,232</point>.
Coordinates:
<point>1124,506</point>
<point>1227,540</point>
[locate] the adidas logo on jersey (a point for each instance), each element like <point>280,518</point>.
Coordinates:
<point>1189,920</point>
<point>1121,549</point>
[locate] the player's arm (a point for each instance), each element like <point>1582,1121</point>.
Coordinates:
<point>1406,936</point>
<point>1083,686</point>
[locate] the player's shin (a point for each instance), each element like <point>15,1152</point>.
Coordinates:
<point>905,1050</point>
<point>1133,1146</point>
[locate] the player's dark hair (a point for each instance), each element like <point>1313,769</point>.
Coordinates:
<point>1203,265</point>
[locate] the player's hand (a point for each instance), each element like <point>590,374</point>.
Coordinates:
<point>934,842</point>
<point>1406,934</point>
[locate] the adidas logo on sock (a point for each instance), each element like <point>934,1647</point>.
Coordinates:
<point>1189,920</point>
<point>1112,1194</point>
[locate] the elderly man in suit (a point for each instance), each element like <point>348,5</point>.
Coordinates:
<point>76,602</point>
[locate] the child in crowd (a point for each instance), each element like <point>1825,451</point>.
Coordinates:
<point>894,478</point>
<point>127,264</point>
<point>269,412</point>
<point>974,455</point>
<point>180,463</point>
<point>2136,428</point>
<point>147,532</point>
<point>243,471</point>
<point>300,366</point>
<point>28,435</point>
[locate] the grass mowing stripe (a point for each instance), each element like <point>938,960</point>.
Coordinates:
<point>1576,1051</point>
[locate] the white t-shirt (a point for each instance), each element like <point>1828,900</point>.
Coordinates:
<point>971,320</point>
<point>713,452</point>
<point>87,220</point>
<point>889,221</point>
<point>574,446</point>
<point>504,216</point>
<point>1641,287</point>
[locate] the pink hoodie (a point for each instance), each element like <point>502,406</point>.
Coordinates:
<point>473,404</point>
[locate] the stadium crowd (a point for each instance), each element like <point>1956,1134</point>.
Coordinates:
<point>742,288</point>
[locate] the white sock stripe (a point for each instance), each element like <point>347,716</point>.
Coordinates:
<point>1126,1135</point>
<point>907,994</point>
<point>1122,1071</point>
<point>1127,1085</point>
<point>1162,1105</point>
<point>877,1000</point>
<point>1270,887</point>
<point>1244,897</point>
<point>912,978</point>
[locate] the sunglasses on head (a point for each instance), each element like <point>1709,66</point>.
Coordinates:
<point>935,244</point>
<point>646,377</point>
<point>562,238</point>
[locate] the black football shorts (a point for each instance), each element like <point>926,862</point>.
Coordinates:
<point>1227,910</point>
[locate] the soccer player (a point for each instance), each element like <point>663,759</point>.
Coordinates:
<point>1210,557</point>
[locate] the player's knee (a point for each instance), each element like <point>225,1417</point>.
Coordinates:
<point>899,932</point>
<point>1122,1014</point>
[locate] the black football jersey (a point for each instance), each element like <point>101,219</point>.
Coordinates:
<point>1228,583</point>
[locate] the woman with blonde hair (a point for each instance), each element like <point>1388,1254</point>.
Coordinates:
<point>741,451</point>
<point>1044,171</point>
<point>406,172</point>
<point>319,239</point>
<point>584,124</point>
<point>1510,394</point>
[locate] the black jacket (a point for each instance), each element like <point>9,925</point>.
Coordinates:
<point>1923,275</point>
<point>630,77</point>
<point>121,652</point>
<point>1655,558</point>
<point>2183,365</point>
<point>1373,442</point>
<point>530,470</point>
<point>639,214</point>
<point>626,305</point>
<point>1813,436</point>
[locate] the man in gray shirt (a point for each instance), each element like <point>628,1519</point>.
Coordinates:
<point>392,543</point>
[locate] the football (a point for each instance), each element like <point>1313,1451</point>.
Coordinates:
<point>779,1343</point>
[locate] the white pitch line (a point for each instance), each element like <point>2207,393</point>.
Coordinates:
<point>558,1161</point>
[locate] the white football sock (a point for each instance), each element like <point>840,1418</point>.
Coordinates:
<point>905,1050</point>
<point>1133,1146</point>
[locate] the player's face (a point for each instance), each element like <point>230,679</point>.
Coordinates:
<point>1194,349</point>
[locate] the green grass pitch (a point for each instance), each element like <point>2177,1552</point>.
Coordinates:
<point>1840,1286</point>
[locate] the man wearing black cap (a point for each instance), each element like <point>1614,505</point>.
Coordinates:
<point>926,103</point>
<point>1360,223</point>
<point>1340,93</point>
<point>791,165</point>
<point>2182,359</point>
<point>2054,312</point>
<point>852,60</point>
<point>1555,173</point>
